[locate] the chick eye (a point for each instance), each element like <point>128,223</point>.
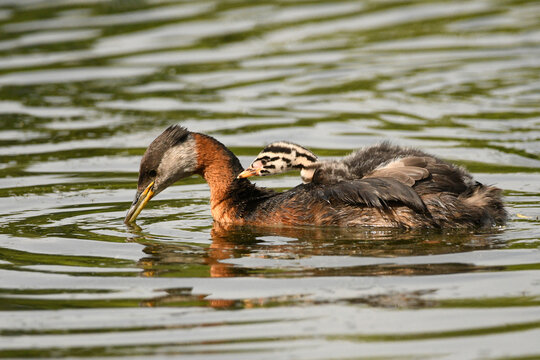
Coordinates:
<point>263,162</point>
<point>152,173</point>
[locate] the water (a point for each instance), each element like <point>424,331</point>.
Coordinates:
<point>86,85</point>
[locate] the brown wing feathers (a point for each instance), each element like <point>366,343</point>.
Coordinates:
<point>372,192</point>
<point>406,170</point>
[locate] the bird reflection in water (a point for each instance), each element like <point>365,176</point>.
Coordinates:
<point>167,259</point>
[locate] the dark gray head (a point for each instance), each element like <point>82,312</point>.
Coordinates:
<point>279,157</point>
<point>169,158</point>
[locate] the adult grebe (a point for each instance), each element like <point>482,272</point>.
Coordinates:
<point>445,197</point>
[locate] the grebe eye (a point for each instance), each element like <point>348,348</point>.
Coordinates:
<point>152,173</point>
<point>263,162</point>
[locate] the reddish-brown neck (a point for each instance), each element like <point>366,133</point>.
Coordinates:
<point>219,167</point>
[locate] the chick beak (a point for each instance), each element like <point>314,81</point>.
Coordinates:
<point>141,199</point>
<point>248,172</point>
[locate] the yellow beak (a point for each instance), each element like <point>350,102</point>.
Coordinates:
<point>139,203</point>
<point>248,172</point>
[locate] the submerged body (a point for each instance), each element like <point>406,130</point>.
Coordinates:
<point>434,201</point>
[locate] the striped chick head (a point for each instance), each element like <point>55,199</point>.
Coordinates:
<point>279,157</point>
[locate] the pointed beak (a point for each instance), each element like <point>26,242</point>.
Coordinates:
<point>141,199</point>
<point>248,172</point>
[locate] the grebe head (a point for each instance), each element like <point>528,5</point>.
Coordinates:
<point>170,157</point>
<point>279,157</point>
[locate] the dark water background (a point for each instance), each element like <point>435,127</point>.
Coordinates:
<point>86,85</point>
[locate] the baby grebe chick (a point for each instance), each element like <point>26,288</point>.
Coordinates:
<point>282,156</point>
<point>383,160</point>
<point>446,197</point>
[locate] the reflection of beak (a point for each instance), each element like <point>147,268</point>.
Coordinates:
<point>248,172</point>
<point>141,199</point>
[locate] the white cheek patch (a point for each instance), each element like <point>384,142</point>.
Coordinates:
<point>177,162</point>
